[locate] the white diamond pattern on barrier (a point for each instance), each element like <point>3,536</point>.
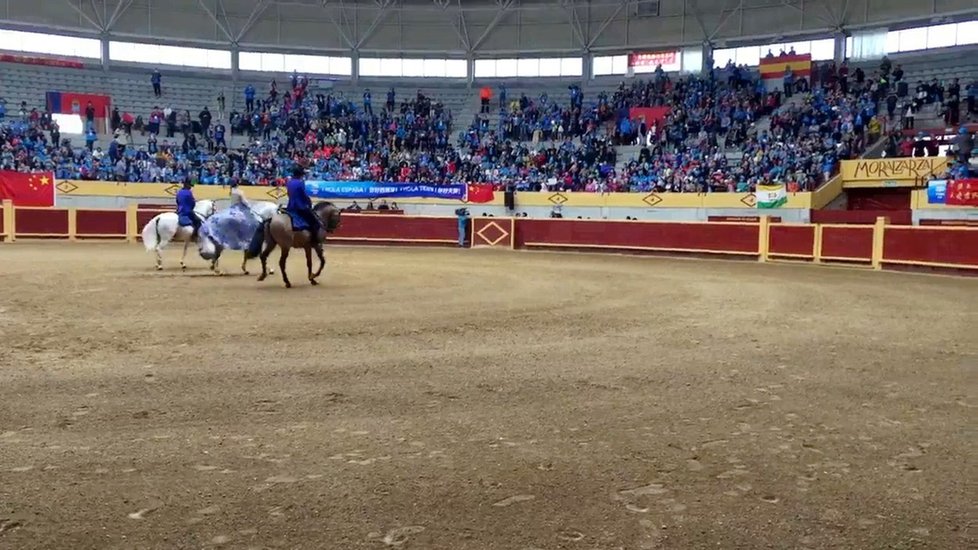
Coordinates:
<point>501,233</point>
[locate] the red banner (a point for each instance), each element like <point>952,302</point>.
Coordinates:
<point>962,192</point>
<point>70,103</point>
<point>652,59</point>
<point>27,189</point>
<point>29,60</point>
<point>652,115</point>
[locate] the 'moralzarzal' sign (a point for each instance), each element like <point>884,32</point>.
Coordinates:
<point>891,172</point>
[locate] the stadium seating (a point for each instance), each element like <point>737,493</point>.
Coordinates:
<point>590,164</point>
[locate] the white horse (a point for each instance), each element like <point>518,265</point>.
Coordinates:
<point>209,249</point>
<point>166,227</point>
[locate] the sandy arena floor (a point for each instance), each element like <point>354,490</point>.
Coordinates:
<point>448,399</point>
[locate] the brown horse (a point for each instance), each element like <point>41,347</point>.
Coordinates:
<point>278,232</point>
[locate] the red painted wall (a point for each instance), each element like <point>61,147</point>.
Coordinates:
<point>51,222</point>
<point>791,239</point>
<point>100,222</point>
<point>855,243</point>
<point>933,245</point>
<point>945,246</point>
<point>634,235</point>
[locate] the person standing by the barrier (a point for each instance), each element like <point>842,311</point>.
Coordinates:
<point>463,224</point>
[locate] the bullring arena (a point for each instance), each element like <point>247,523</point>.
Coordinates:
<point>482,398</point>
<point>601,275</point>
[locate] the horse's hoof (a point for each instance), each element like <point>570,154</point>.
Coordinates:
<point>183,267</point>
<point>159,268</point>
<point>261,278</point>
<point>288,285</point>
<point>313,282</point>
<point>246,272</point>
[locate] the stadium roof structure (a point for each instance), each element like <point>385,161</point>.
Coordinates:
<point>471,28</point>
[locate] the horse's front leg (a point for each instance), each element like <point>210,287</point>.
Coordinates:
<point>269,247</point>
<point>312,278</point>
<point>281,265</point>
<point>244,262</point>
<point>322,260</point>
<point>159,259</point>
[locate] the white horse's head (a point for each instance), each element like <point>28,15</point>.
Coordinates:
<point>205,208</point>
<point>209,250</point>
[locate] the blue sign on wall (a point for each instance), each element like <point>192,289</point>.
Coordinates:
<point>936,191</point>
<point>374,190</point>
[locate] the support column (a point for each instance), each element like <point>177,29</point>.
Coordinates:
<point>470,68</point>
<point>588,67</point>
<point>355,66</point>
<point>707,59</point>
<point>104,42</point>
<point>235,65</point>
<point>840,47</point>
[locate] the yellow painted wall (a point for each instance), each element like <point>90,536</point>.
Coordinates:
<point>897,172</point>
<point>166,191</point>
<point>827,193</point>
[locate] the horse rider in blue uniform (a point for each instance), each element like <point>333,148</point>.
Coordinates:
<point>185,209</point>
<point>300,204</point>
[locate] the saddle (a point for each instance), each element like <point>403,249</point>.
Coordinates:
<point>185,221</point>
<point>298,222</point>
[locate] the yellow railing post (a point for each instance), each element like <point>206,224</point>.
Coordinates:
<point>817,246</point>
<point>763,238</point>
<point>132,225</point>
<point>878,229</point>
<point>512,233</point>
<point>72,224</point>
<point>8,220</point>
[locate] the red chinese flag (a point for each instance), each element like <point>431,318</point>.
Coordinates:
<point>27,189</point>
<point>479,193</point>
<point>963,192</point>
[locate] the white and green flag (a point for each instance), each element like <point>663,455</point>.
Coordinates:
<point>771,196</point>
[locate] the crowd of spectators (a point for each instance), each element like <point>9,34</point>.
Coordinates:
<point>706,142</point>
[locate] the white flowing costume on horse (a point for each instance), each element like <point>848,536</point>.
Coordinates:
<point>234,227</point>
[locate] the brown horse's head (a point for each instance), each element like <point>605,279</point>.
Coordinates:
<point>329,215</point>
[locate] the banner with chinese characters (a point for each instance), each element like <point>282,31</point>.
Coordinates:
<point>648,61</point>
<point>962,192</point>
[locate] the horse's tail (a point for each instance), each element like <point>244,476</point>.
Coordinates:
<point>257,241</point>
<point>152,238</point>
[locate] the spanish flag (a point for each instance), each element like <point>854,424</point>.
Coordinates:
<point>772,69</point>
<point>35,189</point>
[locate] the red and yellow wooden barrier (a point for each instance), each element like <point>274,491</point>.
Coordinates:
<point>878,246</point>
